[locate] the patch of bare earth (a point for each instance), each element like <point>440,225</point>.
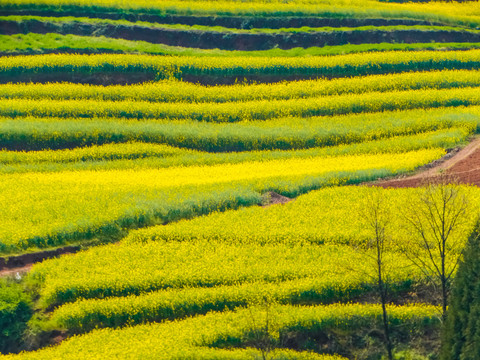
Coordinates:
<point>16,272</point>
<point>463,165</point>
<point>272,198</point>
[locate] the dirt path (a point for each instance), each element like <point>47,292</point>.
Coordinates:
<point>16,271</point>
<point>463,165</point>
<point>23,263</point>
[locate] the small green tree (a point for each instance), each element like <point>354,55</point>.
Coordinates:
<point>461,333</point>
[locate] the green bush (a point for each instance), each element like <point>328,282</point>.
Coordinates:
<point>461,335</point>
<point>15,311</point>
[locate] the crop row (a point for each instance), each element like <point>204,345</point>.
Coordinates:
<point>217,37</point>
<point>31,43</point>
<point>87,314</point>
<point>240,67</point>
<point>43,214</point>
<point>463,13</point>
<point>294,271</point>
<point>332,215</point>
<point>226,242</point>
<point>206,337</point>
<point>238,111</point>
<point>108,152</point>
<point>176,91</point>
<point>70,23</point>
<point>53,208</point>
<point>142,155</point>
<point>289,133</point>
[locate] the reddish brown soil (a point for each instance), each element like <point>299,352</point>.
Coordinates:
<point>463,167</point>
<point>275,199</point>
<point>22,263</point>
<point>16,271</point>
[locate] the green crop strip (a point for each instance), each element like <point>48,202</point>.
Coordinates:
<point>243,111</point>
<point>305,29</point>
<point>445,13</point>
<point>43,133</point>
<point>24,44</point>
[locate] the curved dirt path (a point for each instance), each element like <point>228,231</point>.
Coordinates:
<point>11,265</point>
<point>463,165</point>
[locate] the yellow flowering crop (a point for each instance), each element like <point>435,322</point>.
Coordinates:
<point>196,337</point>
<point>177,91</point>
<point>249,110</point>
<point>314,66</point>
<point>47,209</point>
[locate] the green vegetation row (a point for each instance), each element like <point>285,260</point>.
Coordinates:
<point>290,133</point>
<point>142,155</point>
<point>85,315</point>
<point>222,21</point>
<point>297,273</point>
<point>220,336</point>
<point>461,14</point>
<point>178,91</point>
<point>248,110</point>
<point>70,23</point>
<point>108,152</point>
<point>55,208</point>
<point>239,67</point>
<point>31,43</point>
<point>205,37</point>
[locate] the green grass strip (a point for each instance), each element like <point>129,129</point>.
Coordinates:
<point>31,43</point>
<point>277,134</point>
<point>71,20</point>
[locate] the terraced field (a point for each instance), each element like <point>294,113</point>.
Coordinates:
<point>156,137</point>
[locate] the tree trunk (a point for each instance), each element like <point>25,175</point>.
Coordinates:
<point>444,298</point>
<point>383,298</point>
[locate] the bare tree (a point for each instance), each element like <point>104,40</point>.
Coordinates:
<point>262,332</point>
<point>376,216</point>
<point>435,222</point>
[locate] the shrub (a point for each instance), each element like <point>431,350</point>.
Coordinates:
<point>15,311</point>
